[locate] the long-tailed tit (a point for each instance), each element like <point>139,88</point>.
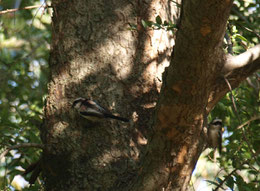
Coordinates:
<point>215,134</point>
<point>92,111</point>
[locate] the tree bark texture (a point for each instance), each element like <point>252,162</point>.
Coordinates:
<point>95,55</point>
<point>182,109</point>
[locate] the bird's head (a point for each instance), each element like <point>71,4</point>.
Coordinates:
<point>77,102</point>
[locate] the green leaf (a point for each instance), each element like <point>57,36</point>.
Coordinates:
<point>165,23</point>
<point>171,27</point>
<point>146,24</point>
<point>230,182</point>
<point>133,26</point>
<point>238,36</point>
<point>157,25</point>
<point>158,20</point>
<point>212,182</point>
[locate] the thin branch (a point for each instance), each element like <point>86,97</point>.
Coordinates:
<point>250,83</point>
<point>249,58</point>
<point>222,182</point>
<point>232,98</point>
<point>231,173</point>
<point>250,30</point>
<point>250,147</point>
<point>240,121</point>
<point>22,145</point>
<point>24,8</point>
<point>241,16</point>
<point>254,154</point>
<point>249,121</point>
<point>236,69</point>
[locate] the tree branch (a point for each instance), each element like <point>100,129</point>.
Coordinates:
<point>236,11</point>
<point>233,100</point>
<point>235,70</point>
<point>24,8</point>
<point>249,59</point>
<point>230,174</point>
<point>249,121</point>
<point>22,145</point>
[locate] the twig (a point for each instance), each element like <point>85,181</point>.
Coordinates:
<point>231,173</point>
<point>222,182</point>
<point>24,8</point>
<point>250,30</point>
<point>237,13</point>
<point>249,121</point>
<point>249,145</point>
<point>243,131</point>
<point>232,98</point>
<point>22,145</point>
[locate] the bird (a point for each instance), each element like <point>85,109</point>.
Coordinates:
<point>215,134</point>
<point>92,111</point>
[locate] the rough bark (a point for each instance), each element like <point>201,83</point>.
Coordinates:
<point>181,112</point>
<point>94,55</point>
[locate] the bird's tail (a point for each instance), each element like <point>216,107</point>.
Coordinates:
<point>117,117</point>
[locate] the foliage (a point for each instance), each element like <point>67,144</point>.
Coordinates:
<point>240,161</point>
<point>243,25</point>
<point>158,24</point>
<point>25,38</point>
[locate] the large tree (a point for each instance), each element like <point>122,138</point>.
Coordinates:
<point>166,84</point>
<point>95,56</point>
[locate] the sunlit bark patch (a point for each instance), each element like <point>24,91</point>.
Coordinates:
<point>205,30</point>
<point>182,154</point>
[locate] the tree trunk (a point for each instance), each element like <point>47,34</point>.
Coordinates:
<point>95,55</point>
